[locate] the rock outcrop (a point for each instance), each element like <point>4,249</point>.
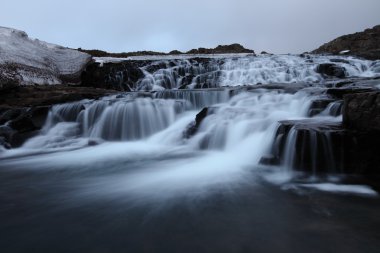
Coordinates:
<point>362,111</point>
<point>365,44</point>
<point>323,147</point>
<point>222,49</point>
<point>330,69</point>
<point>24,61</point>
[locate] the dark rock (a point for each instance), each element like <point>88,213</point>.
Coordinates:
<point>363,44</point>
<point>23,124</point>
<point>269,160</point>
<point>318,106</point>
<point>93,143</point>
<point>222,49</point>
<point>11,114</point>
<point>6,133</point>
<point>323,147</point>
<point>193,127</point>
<point>38,115</point>
<point>32,96</point>
<point>340,61</point>
<point>362,111</point>
<point>332,70</point>
<point>118,76</point>
<point>175,52</point>
<point>4,143</point>
<point>339,93</point>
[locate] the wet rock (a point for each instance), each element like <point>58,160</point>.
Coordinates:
<point>118,76</point>
<point>339,93</point>
<point>325,147</point>
<point>362,111</point>
<point>318,106</point>
<point>193,127</point>
<point>269,160</point>
<point>4,143</point>
<point>10,114</point>
<point>32,96</point>
<point>340,61</point>
<point>330,69</point>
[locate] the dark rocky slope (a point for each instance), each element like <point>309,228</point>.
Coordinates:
<point>221,49</point>
<point>364,44</point>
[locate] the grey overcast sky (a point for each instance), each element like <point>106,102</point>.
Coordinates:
<point>278,26</point>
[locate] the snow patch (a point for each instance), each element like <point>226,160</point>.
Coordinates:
<point>38,62</point>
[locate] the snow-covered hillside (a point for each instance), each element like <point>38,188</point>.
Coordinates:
<point>30,61</point>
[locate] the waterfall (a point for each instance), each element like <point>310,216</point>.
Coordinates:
<point>198,98</point>
<point>200,73</point>
<point>295,130</point>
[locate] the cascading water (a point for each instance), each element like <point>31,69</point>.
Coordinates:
<point>249,70</point>
<point>239,128</point>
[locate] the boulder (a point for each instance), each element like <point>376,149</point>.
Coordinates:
<point>192,129</point>
<point>332,70</point>
<point>362,111</point>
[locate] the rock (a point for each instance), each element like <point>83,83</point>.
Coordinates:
<point>318,106</point>
<point>24,61</point>
<point>269,160</point>
<point>34,96</point>
<point>363,44</point>
<point>339,93</point>
<point>340,61</point>
<point>222,49</point>
<point>325,147</point>
<point>175,52</point>
<point>331,69</point>
<point>362,111</point>
<point>118,76</point>
<point>193,127</point>
<point>4,143</point>
<point>11,114</point>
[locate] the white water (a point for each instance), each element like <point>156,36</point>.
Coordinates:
<point>230,140</point>
<point>248,70</point>
<point>142,135</point>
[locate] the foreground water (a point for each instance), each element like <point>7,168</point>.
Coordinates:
<point>126,174</point>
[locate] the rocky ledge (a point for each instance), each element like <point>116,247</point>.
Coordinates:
<point>23,109</point>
